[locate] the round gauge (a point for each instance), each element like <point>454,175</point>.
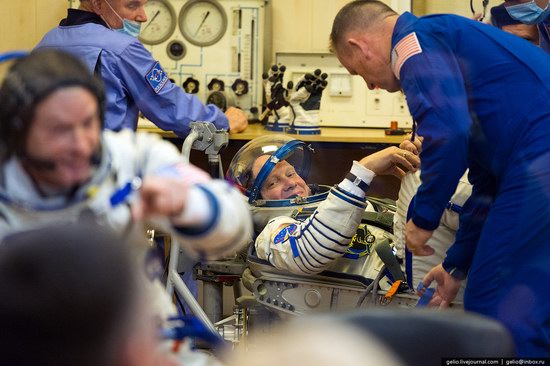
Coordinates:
<point>160,24</point>
<point>202,22</point>
<point>176,50</point>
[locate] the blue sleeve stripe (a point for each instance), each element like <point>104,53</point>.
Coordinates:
<point>311,256</point>
<point>316,266</point>
<point>315,250</point>
<point>293,246</point>
<point>328,238</point>
<point>338,252</point>
<point>302,267</point>
<point>345,199</point>
<point>349,194</point>
<point>301,258</point>
<point>203,231</point>
<point>334,231</point>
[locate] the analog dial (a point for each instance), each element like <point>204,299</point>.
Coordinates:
<point>161,22</point>
<point>203,22</point>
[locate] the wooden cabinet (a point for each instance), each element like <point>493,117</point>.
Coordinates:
<point>23,23</point>
<point>303,26</point>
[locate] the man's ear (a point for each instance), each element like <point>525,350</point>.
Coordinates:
<point>359,45</point>
<point>97,6</point>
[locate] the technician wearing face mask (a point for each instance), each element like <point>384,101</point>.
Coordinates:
<point>532,12</point>
<point>103,33</point>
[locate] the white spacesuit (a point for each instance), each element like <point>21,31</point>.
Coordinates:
<point>307,235</point>
<point>443,237</point>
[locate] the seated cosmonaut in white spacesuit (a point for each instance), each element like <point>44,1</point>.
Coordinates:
<point>308,229</point>
<point>270,170</point>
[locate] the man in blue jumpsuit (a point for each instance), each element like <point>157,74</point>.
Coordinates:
<point>103,33</point>
<point>481,99</point>
<point>532,12</point>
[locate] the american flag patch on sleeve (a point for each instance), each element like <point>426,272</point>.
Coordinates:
<point>406,48</point>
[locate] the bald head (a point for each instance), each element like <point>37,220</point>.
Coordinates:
<point>358,15</point>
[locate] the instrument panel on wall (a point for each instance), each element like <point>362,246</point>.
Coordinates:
<point>201,41</point>
<point>212,42</point>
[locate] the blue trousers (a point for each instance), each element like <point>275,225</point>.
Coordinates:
<point>509,278</point>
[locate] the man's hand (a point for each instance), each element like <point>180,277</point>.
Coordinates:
<point>161,196</point>
<point>237,120</point>
<point>385,162</point>
<point>446,290</point>
<point>413,146</point>
<point>416,239</point>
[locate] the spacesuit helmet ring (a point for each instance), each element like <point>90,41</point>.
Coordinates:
<point>243,170</point>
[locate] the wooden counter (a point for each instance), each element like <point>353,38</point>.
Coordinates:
<point>328,134</point>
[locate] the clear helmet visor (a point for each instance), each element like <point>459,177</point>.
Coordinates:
<point>253,163</point>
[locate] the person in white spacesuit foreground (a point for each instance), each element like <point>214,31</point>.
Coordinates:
<point>56,165</point>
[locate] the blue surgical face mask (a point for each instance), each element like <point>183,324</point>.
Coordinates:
<point>528,13</point>
<point>129,27</point>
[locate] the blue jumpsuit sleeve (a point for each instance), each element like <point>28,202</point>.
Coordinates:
<point>170,108</point>
<point>472,218</point>
<point>437,99</point>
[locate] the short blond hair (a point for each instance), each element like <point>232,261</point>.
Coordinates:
<point>357,15</point>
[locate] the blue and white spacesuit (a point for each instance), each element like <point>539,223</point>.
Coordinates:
<point>481,99</point>
<point>304,234</point>
<point>134,80</point>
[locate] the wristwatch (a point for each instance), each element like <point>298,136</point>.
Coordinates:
<point>357,181</point>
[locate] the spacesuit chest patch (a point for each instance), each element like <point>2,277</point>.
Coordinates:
<point>156,77</point>
<point>361,243</point>
<point>282,234</point>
